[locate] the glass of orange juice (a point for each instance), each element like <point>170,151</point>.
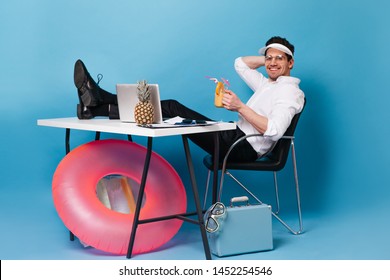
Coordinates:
<point>219,92</point>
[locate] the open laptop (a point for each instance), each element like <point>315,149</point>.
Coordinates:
<point>128,98</point>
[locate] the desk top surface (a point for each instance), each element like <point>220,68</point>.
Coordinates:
<point>116,126</point>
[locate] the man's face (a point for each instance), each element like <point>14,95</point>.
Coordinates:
<point>276,64</point>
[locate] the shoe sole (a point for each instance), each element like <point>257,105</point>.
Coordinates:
<point>80,78</point>
<point>80,74</point>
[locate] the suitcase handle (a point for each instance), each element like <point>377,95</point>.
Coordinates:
<point>239,199</point>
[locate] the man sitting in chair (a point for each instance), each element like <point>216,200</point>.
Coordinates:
<point>269,111</point>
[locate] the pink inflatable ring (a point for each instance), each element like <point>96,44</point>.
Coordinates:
<point>77,204</point>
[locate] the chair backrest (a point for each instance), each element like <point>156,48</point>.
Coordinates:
<point>281,150</point>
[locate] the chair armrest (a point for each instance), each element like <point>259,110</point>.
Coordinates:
<point>287,137</point>
<point>236,143</point>
<point>248,136</point>
<point>223,170</point>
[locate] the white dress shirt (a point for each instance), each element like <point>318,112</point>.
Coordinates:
<point>276,100</point>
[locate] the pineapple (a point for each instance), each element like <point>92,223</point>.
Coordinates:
<point>144,110</point>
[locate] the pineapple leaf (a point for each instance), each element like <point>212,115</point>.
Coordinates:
<point>143,91</point>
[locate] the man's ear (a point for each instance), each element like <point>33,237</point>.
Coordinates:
<point>291,64</point>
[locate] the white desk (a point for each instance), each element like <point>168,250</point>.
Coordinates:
<point>116,126</point>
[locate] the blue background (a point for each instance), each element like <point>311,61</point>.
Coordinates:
<point>342,139</point>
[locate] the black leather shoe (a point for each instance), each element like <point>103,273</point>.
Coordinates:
<point>88,89</point>
<point>83,113</point>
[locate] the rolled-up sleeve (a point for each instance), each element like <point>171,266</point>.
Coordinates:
<point>251,77</point>
<point>286,106</point>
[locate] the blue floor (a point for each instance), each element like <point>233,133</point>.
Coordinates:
<point>32,230</point>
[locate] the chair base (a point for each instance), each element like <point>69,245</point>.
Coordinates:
<point>274,213</point>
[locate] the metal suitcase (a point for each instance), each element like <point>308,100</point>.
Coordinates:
<point>243,229</point>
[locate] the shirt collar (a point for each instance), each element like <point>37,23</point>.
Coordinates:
<point>288,80</point>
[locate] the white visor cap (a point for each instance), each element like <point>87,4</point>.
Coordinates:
<point>277,46</point>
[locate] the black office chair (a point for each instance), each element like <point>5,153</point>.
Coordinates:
<point>273,161</point>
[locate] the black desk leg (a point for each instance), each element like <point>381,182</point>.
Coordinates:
<point>196,197</point>
<point>215,170</point>
<point>139,199</point>
<point>67,137</point>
